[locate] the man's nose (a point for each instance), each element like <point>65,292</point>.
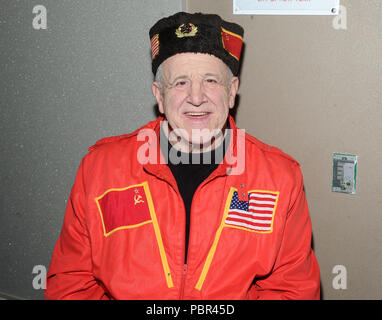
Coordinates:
<point>197,95</point>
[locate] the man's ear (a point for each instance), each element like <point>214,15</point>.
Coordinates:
<point>158,96</point>
<point>233,91</point>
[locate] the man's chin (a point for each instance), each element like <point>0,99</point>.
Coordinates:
<point>206,141</point>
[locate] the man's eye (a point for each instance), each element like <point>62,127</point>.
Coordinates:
<point>181,83</point>
<point>211,81</point>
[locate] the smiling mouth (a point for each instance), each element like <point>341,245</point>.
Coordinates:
<point>196,114</point>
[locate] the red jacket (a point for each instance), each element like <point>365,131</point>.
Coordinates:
<point>123,235</point>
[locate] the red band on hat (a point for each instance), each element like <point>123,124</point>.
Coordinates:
<point>232,42</point>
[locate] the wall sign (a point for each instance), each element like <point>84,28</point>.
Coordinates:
<point>286,7</point>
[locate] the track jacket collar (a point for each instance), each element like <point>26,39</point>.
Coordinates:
<point>160,169</point>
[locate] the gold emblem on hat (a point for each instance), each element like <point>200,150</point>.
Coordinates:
<point>186,30</point>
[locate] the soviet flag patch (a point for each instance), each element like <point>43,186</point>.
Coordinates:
<point>123,208</point>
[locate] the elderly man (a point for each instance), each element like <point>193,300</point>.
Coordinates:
<point>189,206</point>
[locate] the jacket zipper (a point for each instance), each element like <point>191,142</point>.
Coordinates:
<point>183,281</point>
<point>185,265</point>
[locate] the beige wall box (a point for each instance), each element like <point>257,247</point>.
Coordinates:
<point>286,7</point>
<point>344,173</point>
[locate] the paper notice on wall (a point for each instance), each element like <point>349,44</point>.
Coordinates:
<point>286,7</point>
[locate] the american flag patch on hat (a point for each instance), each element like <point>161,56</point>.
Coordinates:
<point>256,214</point>
<point>154,46</point>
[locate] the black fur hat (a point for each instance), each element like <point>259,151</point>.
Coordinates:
<point>197,32</point>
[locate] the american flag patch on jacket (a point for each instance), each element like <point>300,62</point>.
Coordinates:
<point>256,214</point>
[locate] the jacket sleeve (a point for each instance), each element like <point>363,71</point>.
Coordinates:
<point>296,272</point>
<point>70,271</point>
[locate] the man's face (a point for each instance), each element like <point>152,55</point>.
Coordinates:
<point>197,93</point>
